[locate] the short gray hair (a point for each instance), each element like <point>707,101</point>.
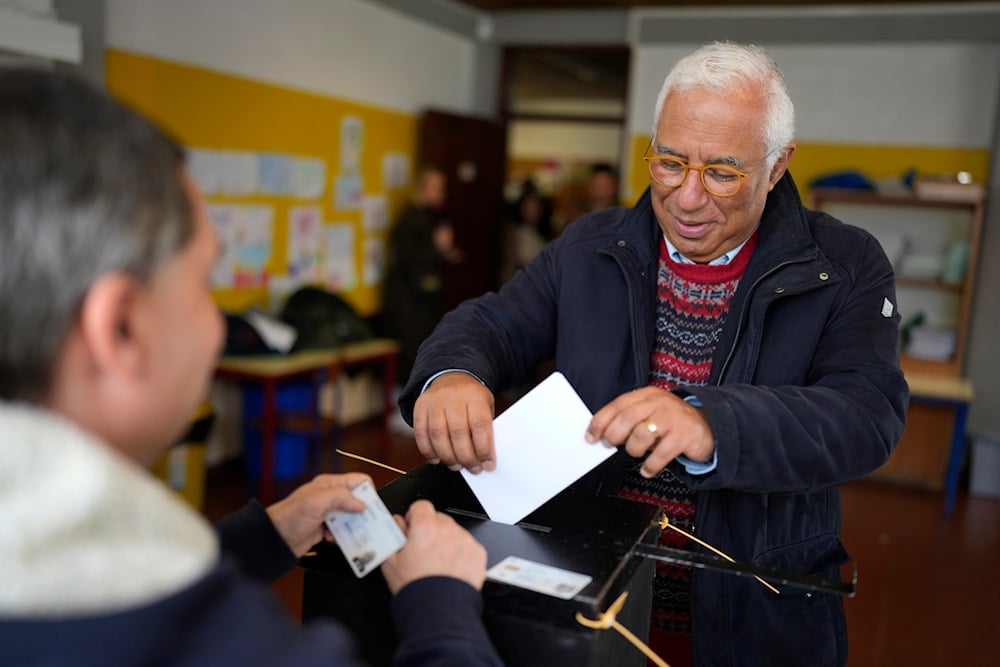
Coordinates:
<point>87,187</point>
<point>724,66</point>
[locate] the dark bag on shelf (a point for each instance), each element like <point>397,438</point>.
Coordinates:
<point>323,320</point>
<point>242,339</point>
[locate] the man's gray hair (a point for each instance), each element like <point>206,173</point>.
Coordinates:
<point>87,188</point>
<point>722,67</point>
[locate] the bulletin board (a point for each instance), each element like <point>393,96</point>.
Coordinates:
<point>301,187</point>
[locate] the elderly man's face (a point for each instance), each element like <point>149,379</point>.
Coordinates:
<point>701,127</point>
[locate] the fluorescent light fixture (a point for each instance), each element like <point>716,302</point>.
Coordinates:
<point>40,37</point>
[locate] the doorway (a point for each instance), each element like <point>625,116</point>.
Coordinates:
<point>564,109</point>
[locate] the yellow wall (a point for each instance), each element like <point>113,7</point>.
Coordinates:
<point>209,110</point>
<point>876,162</point>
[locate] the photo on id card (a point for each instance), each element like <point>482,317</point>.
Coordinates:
<point>368,537</point>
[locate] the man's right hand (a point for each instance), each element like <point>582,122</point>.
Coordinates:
<point>435,546</point>
<point>453,423</point>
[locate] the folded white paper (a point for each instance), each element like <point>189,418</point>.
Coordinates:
<point>540,450</point>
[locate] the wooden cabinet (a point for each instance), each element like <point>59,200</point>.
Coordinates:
<point>933,244</point>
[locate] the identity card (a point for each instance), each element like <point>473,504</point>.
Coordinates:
<point>367,538</point>
<point>538,577</point>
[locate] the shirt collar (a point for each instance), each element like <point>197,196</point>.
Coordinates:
<point>725,258</point>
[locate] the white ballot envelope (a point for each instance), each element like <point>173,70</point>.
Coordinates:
<point>540,450</point>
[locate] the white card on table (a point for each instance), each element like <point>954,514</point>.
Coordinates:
<point>367,538</point>
<point>538,577</point>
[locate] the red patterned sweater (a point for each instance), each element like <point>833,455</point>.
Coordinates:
<point>692,303</point>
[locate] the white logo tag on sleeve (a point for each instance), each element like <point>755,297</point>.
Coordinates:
<point>887,307</point>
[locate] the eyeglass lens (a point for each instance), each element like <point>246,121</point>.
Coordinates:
<point>718,179</point>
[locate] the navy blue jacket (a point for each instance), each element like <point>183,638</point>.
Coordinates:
<point>230,618</point>
<point>805,394</point>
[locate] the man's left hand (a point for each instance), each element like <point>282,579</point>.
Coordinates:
<point>654,421</point>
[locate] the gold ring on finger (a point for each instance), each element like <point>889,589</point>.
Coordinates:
<point>651,427</point>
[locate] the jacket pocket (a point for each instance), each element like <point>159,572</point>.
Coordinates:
<point>801,627</point>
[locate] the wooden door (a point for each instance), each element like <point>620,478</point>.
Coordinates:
<point>471,152</point>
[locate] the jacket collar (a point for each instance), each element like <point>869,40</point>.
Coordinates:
<point>86,531</point>
<point>784,229</point>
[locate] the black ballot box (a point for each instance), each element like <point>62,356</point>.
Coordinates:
<point>575,531</point>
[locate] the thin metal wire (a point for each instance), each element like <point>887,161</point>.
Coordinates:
<point>665,523</point>
<point>371,461</point>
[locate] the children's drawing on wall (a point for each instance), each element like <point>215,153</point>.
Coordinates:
<point>374,267</point>
<point>351,143</point>
<point>305,243</point>
<point>308,178</point>
<point>275,173</point>
<point>224,172</point>
<point>395,170</point>
<point>341,273</point>
<point>246,237</point>
<point>204,168</point>
<point>348,192</point>
<point>374,213</point>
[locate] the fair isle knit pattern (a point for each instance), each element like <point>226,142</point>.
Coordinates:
<point>692,303</point>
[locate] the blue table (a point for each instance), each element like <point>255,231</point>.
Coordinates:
<point>948,392</point>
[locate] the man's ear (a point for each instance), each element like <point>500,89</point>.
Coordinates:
<point>109,326</point>
<point>781,166</point>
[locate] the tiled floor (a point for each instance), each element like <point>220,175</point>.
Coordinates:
<point>928,587</point>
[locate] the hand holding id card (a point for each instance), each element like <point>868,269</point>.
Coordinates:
<point>366,538</point>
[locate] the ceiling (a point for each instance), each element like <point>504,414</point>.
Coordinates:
<point>511,5</point>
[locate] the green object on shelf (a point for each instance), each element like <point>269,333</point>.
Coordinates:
<point>907,327</point>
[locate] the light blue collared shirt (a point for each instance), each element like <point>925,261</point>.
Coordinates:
<point>724,258</point>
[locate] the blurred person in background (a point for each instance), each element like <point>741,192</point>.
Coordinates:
<point>527,230</point>
<point>421,243</point>
<point>602,187</point>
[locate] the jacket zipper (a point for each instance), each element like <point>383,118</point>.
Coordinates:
<point>703,500</point>
<point>633,311</point>
<point>743,311</point>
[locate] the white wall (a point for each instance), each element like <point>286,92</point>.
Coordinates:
<point>906,94</point>
<point>342,48</point>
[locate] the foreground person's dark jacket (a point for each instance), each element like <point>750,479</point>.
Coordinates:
<point>100,564</point>
<point>805,394</point>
